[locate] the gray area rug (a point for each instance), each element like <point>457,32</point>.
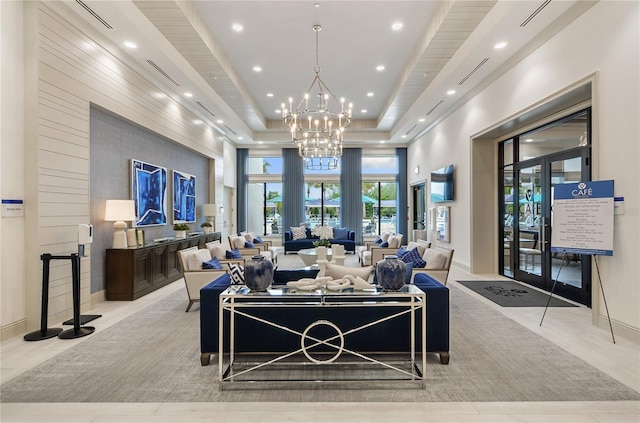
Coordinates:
<point>154,356</point>
<point>513,294</point>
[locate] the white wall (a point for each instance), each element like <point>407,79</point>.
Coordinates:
<point>604,41</point>
<point>11,168</point>
<point>65,70</point>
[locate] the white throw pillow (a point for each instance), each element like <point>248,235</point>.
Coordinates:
<point>299,232</point>
<point>248,236</point>
<point>421,247</point>
<point>395,241</point>
<point>236,241</point>
<point>195,260</point>
<point>434,259</point>
<point>385,236</point>
<point>216,249</point>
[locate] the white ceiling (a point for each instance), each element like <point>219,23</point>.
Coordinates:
<point>438,48</point>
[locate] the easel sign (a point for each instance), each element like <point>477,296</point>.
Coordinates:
<point>582,223</point>
<point>583,218</point>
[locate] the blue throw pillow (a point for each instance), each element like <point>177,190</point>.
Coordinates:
<point>249,244</point>
<point>340,233</point>
<point>233,254</point>
<point>378,240</point>
<point>413,256</point>
<point>257,240</point>
<point>384,244</point>
<point>214,263</point>
<point>401,252</point>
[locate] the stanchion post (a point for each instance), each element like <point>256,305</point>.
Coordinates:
<point>44,332</point>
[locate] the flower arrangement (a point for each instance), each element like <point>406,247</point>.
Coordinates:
<point>322,232</point>
<point>181,227</point>
<point>322,243</point>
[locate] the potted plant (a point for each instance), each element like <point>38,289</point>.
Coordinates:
<point>322,243</point>
<point>207,227</point>
<point>181,230</point>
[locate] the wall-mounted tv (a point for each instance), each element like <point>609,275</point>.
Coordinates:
<point>442,184</point>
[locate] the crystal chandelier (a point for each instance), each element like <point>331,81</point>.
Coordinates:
<point>317,131</point>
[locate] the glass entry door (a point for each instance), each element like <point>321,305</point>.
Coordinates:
<point>530,238</point>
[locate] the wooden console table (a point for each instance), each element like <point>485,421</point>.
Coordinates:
<point>137,271</point>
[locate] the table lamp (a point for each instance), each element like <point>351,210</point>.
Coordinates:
<point>119,211</point>
<point>210,211</point>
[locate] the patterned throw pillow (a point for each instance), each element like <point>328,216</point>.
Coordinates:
<point>412,256</point>
<point>249,244</point>
<point>299,232</point>
<point>236,272</point>
<point>214,263</point>
<point>233,254</point>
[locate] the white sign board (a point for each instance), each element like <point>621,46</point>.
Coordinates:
<point>12,208</point>
<point>583,218</point>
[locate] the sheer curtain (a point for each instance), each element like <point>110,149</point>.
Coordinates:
<point>292,189</point>
<point>402,201</point>
<point>241,188</point>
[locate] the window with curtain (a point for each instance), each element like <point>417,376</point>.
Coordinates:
<point>379,194</point>
<point>264,191</point>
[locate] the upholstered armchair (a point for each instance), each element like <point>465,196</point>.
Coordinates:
<point>438,261</point>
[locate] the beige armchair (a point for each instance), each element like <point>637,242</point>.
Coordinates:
<point>378,254</point>
<point>438,261</point>
<point>195,277</point>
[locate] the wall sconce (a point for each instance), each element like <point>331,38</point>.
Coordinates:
<point>119,211</point>
<point>416,170</point>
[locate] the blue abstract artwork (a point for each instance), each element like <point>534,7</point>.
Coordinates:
<point>184,197</point>
<point>149,192</point>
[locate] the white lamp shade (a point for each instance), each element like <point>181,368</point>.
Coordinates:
<point>209,210</point>
<point>116,210</point>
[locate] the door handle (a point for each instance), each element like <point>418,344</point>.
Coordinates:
<point>543,235</point>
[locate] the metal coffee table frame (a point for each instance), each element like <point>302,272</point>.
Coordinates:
<point>238,300</point>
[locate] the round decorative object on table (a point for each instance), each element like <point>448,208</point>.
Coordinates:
<point>391,273</point>
<point>258,273</point>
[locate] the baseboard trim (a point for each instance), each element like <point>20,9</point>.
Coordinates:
<point>98,297</point>
<point>620,329</point>
<point>14,329</point>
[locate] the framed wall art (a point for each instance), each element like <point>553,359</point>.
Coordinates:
<point>184,197</point>
<point>149,193</point>
<point>443,226</point>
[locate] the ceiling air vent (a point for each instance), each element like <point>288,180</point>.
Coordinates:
<point>205,108</point>
<point>411,129</point>
<point>231,130</point>
<point>94,14</point>
<point>470,74</point>
<point>535,13</point>
<point>435,107</point>
<point>159,69</point>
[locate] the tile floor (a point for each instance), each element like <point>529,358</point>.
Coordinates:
<point>568,327</point>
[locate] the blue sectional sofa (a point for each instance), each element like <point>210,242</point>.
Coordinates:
<point>293,245</point>
<point>390,336</point>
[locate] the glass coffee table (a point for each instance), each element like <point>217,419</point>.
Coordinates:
<point>300,363</point>
<point>310,255</point>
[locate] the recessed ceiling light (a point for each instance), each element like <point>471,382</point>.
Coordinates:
<point>220,121</point>
<point>529,140</point>
<point>451,92</point>
<point>237,27</point>
<point>130,44</point>
<point>257,69</point>
<point>421,120</point>
<point>500,45</point>
<point>317,5</point>
<point>188,94</point>
<point>369,94</point>
<point>197,122</point>
<point>382,141</point>
<point>159,95</point>
<point>397,26</point>
<point>278,111</point>
<point>403,136</point>
<point>363,111</point>
<point>380,68</point>
<point>240,138</point>
<point>269,94</point>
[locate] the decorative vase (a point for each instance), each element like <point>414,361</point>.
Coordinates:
<point>258,273</point>
<point>391,273</point>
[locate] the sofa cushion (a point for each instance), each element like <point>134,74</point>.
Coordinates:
<point>341,233</point>
<point>214,263</point>
<point>433,259</point>
<point>298,232</point>
<point>337,271</point>
<point>236,271</point>
<point>216,249</point>
<point>195,260</point>
<point>413,257</point>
